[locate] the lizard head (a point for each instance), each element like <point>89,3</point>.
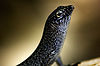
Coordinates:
<point>64,11</point>
<point>61,15</point>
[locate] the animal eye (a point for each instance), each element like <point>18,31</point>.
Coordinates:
<point>58,13</point>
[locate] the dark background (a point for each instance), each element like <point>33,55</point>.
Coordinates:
<point>22,22</point>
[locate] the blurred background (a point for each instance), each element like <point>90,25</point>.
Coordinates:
<point>22,23</point>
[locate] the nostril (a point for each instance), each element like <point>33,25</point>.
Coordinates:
<point>70,7</point>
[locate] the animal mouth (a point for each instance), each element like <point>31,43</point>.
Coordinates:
<point>69,9</point>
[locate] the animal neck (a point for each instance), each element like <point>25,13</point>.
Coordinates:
<point>54,34</point>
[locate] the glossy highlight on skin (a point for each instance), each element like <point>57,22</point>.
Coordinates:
<point>53,37</point>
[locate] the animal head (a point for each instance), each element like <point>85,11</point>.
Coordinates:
<point>60,15</point>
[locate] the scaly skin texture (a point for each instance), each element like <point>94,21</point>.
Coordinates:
<point>52,40</point>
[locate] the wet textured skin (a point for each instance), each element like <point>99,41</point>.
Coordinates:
<point>53,37</point>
